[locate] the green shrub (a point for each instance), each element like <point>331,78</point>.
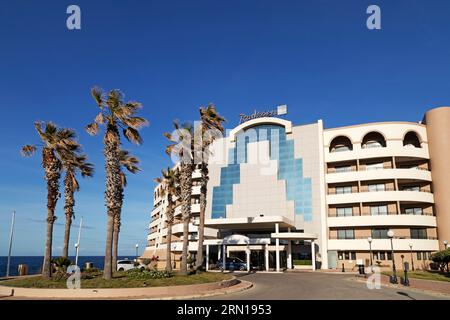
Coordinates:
<point>302,262</point>
<point>147,274</point>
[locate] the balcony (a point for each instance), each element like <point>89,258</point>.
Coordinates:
<point>367,153</point>
<point>380,174</point>
<point>383,220</point>
<point>380,196</point>
<point>430,244</point>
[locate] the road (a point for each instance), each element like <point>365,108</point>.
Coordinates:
<point>308,285</point>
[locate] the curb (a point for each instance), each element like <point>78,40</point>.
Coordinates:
<point>246,285</point>
<point>418,290</point>
<point>220,287</point>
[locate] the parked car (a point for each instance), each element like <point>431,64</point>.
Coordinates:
<point>232,263</point>
<point>124,265</point>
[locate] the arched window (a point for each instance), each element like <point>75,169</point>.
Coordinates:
<point>411,140</point>
<point>373,140</point>
<point>341,143</point>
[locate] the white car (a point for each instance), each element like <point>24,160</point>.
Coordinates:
<point>124,265</point>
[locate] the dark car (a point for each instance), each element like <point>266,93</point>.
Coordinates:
<point>232,264</point>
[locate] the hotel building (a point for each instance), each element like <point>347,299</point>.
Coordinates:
<point>282,195</point>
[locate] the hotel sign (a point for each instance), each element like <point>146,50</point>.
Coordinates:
<point>280,110</point>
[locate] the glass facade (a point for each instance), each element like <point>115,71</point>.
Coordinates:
<point>290,169</point>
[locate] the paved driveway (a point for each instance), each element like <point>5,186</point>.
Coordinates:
<point>308,285</point>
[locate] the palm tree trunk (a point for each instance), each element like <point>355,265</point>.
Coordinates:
<point>107,270</point>
<point>116,231</point>
<point>67,227</point>
<point>201,227</point>
<point>169,247</point>
<point>183,268</point>
<point>112,194</point>
<point>68,208</point>
<point>46,269</point>
<point>186,192</point>
<point>52,168</point>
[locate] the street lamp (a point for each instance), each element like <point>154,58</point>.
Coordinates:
<point>369,239</point>
<point>445,244</point>
<point>412,258</point>
<point>137,247</point>
<point>77,246</point>
<point>390,235</point>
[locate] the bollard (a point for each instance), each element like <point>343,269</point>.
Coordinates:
<point>22,270</point>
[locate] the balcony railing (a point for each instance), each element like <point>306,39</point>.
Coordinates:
<point>333,237</point>
<point>374,169</point>
<point>364,189</point>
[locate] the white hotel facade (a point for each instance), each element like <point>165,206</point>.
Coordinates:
<point>279,194</point>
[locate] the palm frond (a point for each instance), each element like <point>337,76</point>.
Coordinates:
<point>28,150</point>
<point>97,93</point>
<point>92,128</point>
<point>132,135</point>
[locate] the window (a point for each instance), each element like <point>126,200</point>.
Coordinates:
<point>418,233</point>
<point>341,148</point>
<point>424,255</point>
<point>378,210</point>
<point>376,187</point>
<point>379,233</point>
<point>344,212</point>
<point>374,166</point>
<point>353,255</point>
<point>375,255</point>
<point>382,256</point>
<point>419,255</point>
<point>411,188</point>
<point>372,144</point>
<point>389,255</point>
<point>347,255</point>
<point>343,168</point>
<point>342,190</point>
<point>340,255</point>
<point>414,211</point>
<point>346,234</point>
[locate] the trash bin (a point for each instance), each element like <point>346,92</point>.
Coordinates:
<point>22,270</point>
<point>361,269</point>
<point>88,265</point>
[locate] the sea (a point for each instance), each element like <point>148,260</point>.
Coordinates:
<point>34,263</point>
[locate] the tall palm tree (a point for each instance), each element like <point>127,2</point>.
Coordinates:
<point>114,114</point>
<point>170,182</point>
<point>57,144</point>
<point>130,163</point>
<point>182,146</point>
<point>72,165</point>
<point>211,126</point>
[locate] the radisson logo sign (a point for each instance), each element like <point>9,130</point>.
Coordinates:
<point>280,110</point>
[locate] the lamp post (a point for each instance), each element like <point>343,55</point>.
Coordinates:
<point>390,235</point>
<point>445,244</point>
<point>76,253</point>
<point>412,258</point>
<point>11,234</point>
<point>369,239</point>
<point>137,247</point>
<point>77,245</point>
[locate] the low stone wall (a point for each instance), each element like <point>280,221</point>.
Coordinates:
<point>118,293</point>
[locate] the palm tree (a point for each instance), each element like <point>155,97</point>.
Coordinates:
<point>57,144</point>
<point>114,114</point>
<point>182,146</point>
<point>72,165</point>
<point>211,128</point>
<point>171,189</point>
<point>130,163</point>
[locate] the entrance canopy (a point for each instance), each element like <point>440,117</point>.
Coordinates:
<point>249,223</point>
<point>294,236</point>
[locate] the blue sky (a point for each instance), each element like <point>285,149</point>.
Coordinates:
<point>316,56</point>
